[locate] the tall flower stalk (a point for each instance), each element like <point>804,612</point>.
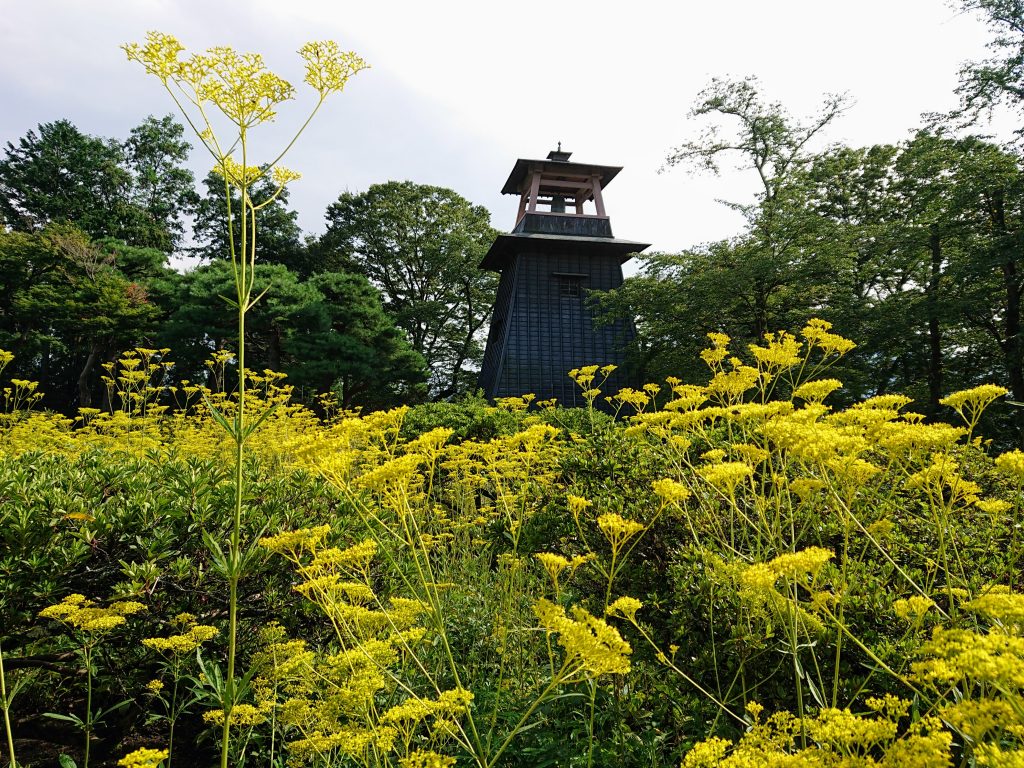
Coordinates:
<point>218,88</point>
<point>6,705</point>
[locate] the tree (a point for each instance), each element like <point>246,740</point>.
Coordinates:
<point>345,342</point>
<point>60,174</point>
<point>67,307</point>
<point>137,192</point>
<point>161,185</point>
<point>774,275</point>
<point>421,246</point>
<point>765,137</point>
<point>1000,78</point>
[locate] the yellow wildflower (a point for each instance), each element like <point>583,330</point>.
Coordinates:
<point>144,758</point>
<point>816,391</point>
<point>617,529</point>
<point>241,714</point>
<point>293,542</point>
<point>706,754</point>
<point>426,759</point>
<point>969,403</point>
<point>912,608</point>
<point>726,475</point>
<point>184,643</point>
<point>1005,607</point>
<point>993,506</point>
<point>591,643</point>
<point>625,607</point>
<point>671,491</point>
<point>817,334</point>
<point>781,352</point>
<point>1012,463</point>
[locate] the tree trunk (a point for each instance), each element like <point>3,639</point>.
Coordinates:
<point>274,349</point>
<point>1011,322</point>
<point>84,390</point>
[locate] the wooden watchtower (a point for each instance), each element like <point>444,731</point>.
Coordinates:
<point>560,248</point>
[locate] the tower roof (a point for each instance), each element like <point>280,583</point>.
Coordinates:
<point>553,169</point>
<point>505,247</point>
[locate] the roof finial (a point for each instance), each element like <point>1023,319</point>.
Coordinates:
<point>558,155</point>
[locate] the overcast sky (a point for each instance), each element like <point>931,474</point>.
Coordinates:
<point>459,90</point>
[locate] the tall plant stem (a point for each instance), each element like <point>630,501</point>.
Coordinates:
<point>88,702</point>
<point>236,524</point>
<point>242,259</point>
<point>7,711</point>
<point>172,716</point>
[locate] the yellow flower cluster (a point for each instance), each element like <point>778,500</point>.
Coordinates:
<point>781,352</point>
<point>1012,464</point>
<point>144,758</point>
<point>818,334</point>
<point>183,643</point>
<point>1005,607</point>
<point>726,475</point>
<point>293,543</point>
<point>426,759</point>
<point>617,529</point>
<point>671,491</point>
<point>555,564</point>
<point>625,607</point>
<point>758,586</point>
<point>241,714</point>
<point>591,645</point>
<point>957,655</point>
<point>87,616</point>
<point>837,739</point>
<point>980,718</point>
<point>632,397</point>
<point>450,704</point>
<point>912,608</point>
<point>328,68</point>
<point>578,505</point>
<point>942,483</point>
<point>969,403</point>
<point>816,391</point>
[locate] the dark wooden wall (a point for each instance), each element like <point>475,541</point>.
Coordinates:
<point>542,327</point>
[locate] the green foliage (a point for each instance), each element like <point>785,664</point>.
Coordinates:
<point>328,332</point>
<point>912,249</point>
<point>999,79</point>
<point>137,191</point>
<point>421,246</point>
<point>67,305</point>
<point>753,548</point>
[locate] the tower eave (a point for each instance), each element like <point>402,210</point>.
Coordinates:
<point>505,246</point>
<point>514,183</point>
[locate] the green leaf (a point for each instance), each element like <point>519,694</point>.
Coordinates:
<point>219,417</point>
<point>66,762</point>
<point>66,718</point>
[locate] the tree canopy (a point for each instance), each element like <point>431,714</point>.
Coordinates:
<point>421,247</point>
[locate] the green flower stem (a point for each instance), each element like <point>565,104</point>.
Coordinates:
<point>7,712</point>
<point>87,651</point>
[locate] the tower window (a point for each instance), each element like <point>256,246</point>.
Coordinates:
<point>569,286</point>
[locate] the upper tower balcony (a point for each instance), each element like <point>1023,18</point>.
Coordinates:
<point>557,197</point>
